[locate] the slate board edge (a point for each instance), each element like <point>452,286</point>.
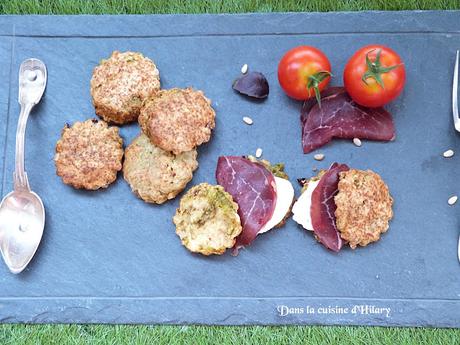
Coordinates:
<point>245,311</point>
<point>221,24</point>
<point>7,93</point>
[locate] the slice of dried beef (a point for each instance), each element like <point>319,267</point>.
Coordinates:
<point>253,188</point>
<point>323,208</point>
<point>340,117</point>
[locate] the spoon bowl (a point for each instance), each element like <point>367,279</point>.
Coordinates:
<point>22,219</point>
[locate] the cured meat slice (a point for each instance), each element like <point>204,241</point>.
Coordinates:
<point>311,102</point>
<point>253,188</point>
<point>340,117</point>
<point>323,208</point>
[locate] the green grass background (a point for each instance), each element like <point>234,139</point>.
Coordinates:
<point>104,334</point>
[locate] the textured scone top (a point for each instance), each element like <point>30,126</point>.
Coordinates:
<point>89,154</point>
<point>156,175</point>
<point>178,120</point>
<point>121,83</point>
<point>207,221</point>
<point>364,207</point>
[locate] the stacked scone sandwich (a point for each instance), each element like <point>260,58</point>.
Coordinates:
<point>344,206</point>
<point>253,197</point>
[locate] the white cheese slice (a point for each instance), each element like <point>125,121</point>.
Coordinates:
<point>284,197</point>
<point>301,209</point>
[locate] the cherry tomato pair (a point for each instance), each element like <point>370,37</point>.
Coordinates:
<point>374,76</point>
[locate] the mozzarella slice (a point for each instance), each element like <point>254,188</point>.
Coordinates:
<point>284,197</point>
<point>301,208</point>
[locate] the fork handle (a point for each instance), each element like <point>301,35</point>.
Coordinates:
<point>458,249</point>
<point>20,177</point>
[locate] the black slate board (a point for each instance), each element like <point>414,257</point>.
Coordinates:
<point>108,257</point>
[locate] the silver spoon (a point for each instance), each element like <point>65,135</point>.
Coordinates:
<point>22,214</point>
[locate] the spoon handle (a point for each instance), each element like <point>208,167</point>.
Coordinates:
<point>20,176</point>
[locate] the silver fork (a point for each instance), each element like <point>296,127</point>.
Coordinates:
<point>455,95</point>
<point>455,114</point>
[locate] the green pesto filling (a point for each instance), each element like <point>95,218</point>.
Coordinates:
<point>217,196</point>
<point>276,169</point>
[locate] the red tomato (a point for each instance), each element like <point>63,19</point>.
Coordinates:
<point>374,76</point>
<point>303,72</point>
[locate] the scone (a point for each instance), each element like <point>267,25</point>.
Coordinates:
<point>154,174</point>
<point>178,120</point>
<point>120,85</point>
<point>89,154</point>
<point>207,220</point>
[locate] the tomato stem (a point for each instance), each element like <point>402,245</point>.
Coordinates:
<point>375,68</point>
<point>313,83</point>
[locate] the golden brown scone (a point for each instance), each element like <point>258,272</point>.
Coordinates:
<point>207,220</point>
<point>89,154</point>
<point>364,207</point>
<point>156,175</point>
<point>121,83</point>
<point>177,120</point>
